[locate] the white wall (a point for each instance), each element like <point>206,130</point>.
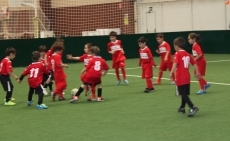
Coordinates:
<point>182,15</point>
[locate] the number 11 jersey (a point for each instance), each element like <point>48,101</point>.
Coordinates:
<point>35,72</point>
<point>183,59</point>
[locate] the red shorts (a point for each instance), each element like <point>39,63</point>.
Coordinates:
<point>119,64</point>
<point>60,84</point>
<point>166,66</point>
<point>147,71</point>
<point>90,80</point>
<point>201,67</point>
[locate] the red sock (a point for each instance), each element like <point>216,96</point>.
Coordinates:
<point>202,82</point>
<point>159,76</point>
<point>173,77</point>
<point>123,73</point>
<point>93,91</point>
<point>149,83</point>
<point>117,74</point>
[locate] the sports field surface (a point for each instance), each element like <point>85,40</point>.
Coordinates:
<point>127,114</point>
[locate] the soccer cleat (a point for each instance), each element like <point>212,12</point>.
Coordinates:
<point>126,81</point>
<point>200,92</point>
<point>193,111</point>
<point>100,99</point>
<point>92,99</point>
<point>61,98</point>
<point>11,99</point>
<point>118,82</point>
<point>157,83</point>
<point>173,83</point>
<point>207,86</point>
<point>42,106</point>
<point>74,98</point>
<point>181,110</point>
<point>10,103</point>
<point>147,90</point>
<point>29,102</point>
<point>45,92</point>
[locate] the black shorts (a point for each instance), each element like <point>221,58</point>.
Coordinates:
<point>45,77</point>
<point>92,84</point>
<point>37,90</point>
<point>183,89</point>
<point>6,83</point>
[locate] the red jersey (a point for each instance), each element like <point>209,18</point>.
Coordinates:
<point>196,50</point>
<point>183,59</point>
<point>85,58</point>
<point>95,67</point>
<point>117,48</point>
<point>146,56</point>
<point>57,69</point>
<point>42,60</point>
<point>35,71</point>
<point>6,66</point>
<point>163,48</point>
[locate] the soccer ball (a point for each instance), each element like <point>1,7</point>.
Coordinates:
<point>73,91</point>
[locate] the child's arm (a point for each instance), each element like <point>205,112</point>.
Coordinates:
<point>69,56</point>
<point>83,71</point>
<point>63,65</point>
<point>198,57</point>
<point>157,51</point>
<point>12,74</point>
<point>166,56</point>
<point>173,70</point>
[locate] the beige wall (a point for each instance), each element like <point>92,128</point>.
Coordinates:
<point>74,3</point>
<point>3,3</point>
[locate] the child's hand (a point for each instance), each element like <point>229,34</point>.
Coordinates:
<point>66,66</point>
<point>48,81</point>
<point>69,56</point>
<point>165,59</point>
<point>157,51</point>
<point>19,81</point>
<point>16,78</point>
<point>112,52</point>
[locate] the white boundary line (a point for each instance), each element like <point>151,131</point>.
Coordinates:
<point>169,79</point>
<point>158,66</point>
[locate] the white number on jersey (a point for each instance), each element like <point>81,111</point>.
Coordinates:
<point>97,66</point>
<point>53,64</point>
<point>186,60</point>
<point>34,72</point>
<point>0,66</point>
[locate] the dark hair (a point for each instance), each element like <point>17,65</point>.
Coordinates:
<point>160,35</point>
<point>35,55</point>
<point>89,45</point>
<point>42,48</point>
<point>195,36</point>
<point>113,33</point>
<point>58,46</point>
<point>59,40</point>
<point>180,42</point>
<point>95,50</point>
<point>10,50</point>
<point>142,40</point>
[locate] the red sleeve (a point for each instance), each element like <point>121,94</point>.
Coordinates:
<point>168,48</point>
<point>108,47</point>
<point>26,71</point>
<point>58,60</point>
<point>149,54</point>
<point>198,49</point>
<point>49,52</point>
<point>176,58</point>
<point>105,65</point>
<point>83,57</point>
<point>9,67</point>
<point>89,65</point>
<point>192,61</point>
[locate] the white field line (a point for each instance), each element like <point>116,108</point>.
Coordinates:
<point>169,79</point>
<point>158,66</point>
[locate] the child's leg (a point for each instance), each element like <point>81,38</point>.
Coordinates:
<point>99,91</point>
<point>117,74</point>
<point>50,86</point>
<point>160,74</point>
<point>149,83</point>
<point>9,91</point>
<point>188,101</point>
<point>123,72</point>
<point>80,90</point>
<point>93,87</point>
<point>30,94</point>
<point>202,83</point>
<point>183,103</point>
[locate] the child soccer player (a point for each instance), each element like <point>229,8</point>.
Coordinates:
<point>147,63</point>
<point>96,68</point>
<point>43,51</point>
<point>6,71</point>
<point>59,74</point>
<point>35,72</point>
<point>164,50</point>
<point>182,59</point>
<point>115,48</point>
<point>198,55</point>
<point>84,58</point>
